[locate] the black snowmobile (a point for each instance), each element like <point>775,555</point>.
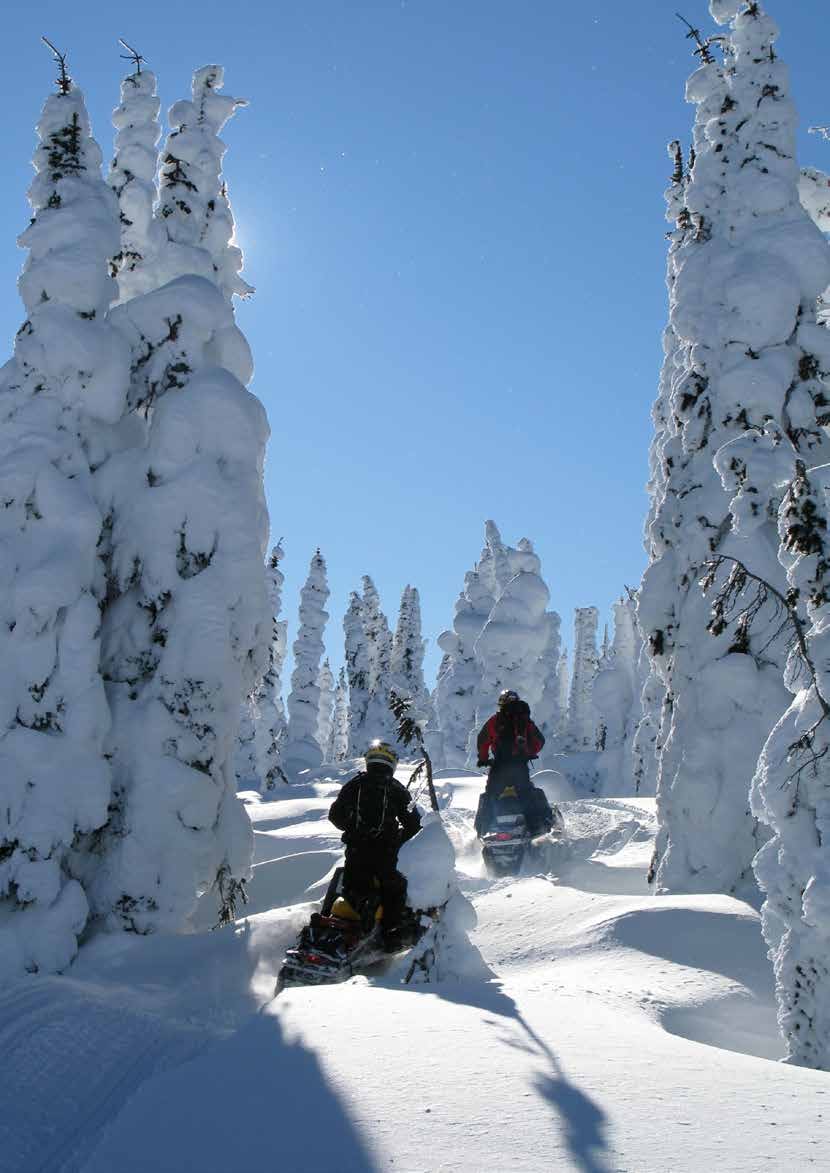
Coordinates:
<point>339,941</point>
<point>506,839</point>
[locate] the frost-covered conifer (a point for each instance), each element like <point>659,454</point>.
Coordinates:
<point>792,784</point>
<point>664,449</point>
<point>645,748</point>
<point>325,712</point>
<point>271,725</point>
<point>564,692</point>
<point>132,177</point>
<point>511,645</point>
<point>460,692</point>
<point>581,732</point>
<point>357,674</point>
<point>814,193</point>
<point>338,746</point>
<point>186,632</point>
<point>459,678</point>
<point>746,266</point>
<point>302,750</point>
<point>549,714</point>
<point>245,763</point>
<point>458,685</point>
<point>407,662</point>
<point>60,396</point>
<point>616,699</point>
<point>193,205</point>
<point>379,720</point>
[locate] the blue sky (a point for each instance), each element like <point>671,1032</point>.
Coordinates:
<point>453,215</point>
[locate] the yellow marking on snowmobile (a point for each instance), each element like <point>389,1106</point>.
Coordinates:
<point>509,792</point>
<point>343,909</point>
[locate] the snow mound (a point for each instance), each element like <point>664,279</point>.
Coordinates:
<point>428,863</point>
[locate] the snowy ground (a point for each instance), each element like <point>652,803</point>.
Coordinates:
<point>617,1031</point>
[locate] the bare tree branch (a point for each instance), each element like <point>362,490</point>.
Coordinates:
<point>132,55</point>
<point>64,81</point>
<point>731,607</point>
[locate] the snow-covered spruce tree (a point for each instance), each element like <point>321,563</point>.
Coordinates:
<point>193,205</point>
<point>338,746</point>
<point>407,661</point>
<point>645,749</point>
<point>549,714</point>
<point>60,396</point>
<point>564,693</point>
<point>186,634</point>
<point>664,450</point>
<point>186,630</point>
<point>746,266</point>
<point>132,177</point>
<point>245,764</point>
<point>379,720</point>
<point>458,693</point>
<point>270,728</point>
<point>458,684</point>
<point>510,647</point>
<point>302,750</point>
<point>814,193</point>
<point>616,699</point>
<point>325,712</point>
<point>357,674</point>
<point>262,714</point>
<point>792,784</point>
<point>581,729</point>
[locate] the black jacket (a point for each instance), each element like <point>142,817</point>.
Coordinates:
<point>373,807</point>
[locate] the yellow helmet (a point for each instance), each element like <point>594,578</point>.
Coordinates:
<point>382,753</point>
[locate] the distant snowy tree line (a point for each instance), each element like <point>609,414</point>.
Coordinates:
<point>504,636</point>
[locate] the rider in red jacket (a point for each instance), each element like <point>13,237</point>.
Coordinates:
<point>514,740</point>
<point>509,733</point>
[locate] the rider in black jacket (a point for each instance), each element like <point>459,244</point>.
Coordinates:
<point>376,815</point>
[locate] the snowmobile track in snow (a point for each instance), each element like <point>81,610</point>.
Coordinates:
<point>51,1031</point>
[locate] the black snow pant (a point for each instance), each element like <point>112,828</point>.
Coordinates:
<point>516,773</point>
<point>369,862</point>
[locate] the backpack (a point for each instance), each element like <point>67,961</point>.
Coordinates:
<point>371,813</point>
<point>514,735</point>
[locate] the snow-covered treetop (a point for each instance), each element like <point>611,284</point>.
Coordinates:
<point>74,212</point>
<point>132,177</point>
<point>67,348</point>
<point>524,558</point>
<point>194,204</point>
<point>276,578</point>
<point>725,10</point>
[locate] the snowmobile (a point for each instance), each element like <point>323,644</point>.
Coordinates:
<point>506,839</point>
<point>339,941</point>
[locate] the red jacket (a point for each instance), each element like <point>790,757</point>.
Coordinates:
<point>510,734</point>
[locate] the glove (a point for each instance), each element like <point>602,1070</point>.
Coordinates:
<point>482,762</point>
